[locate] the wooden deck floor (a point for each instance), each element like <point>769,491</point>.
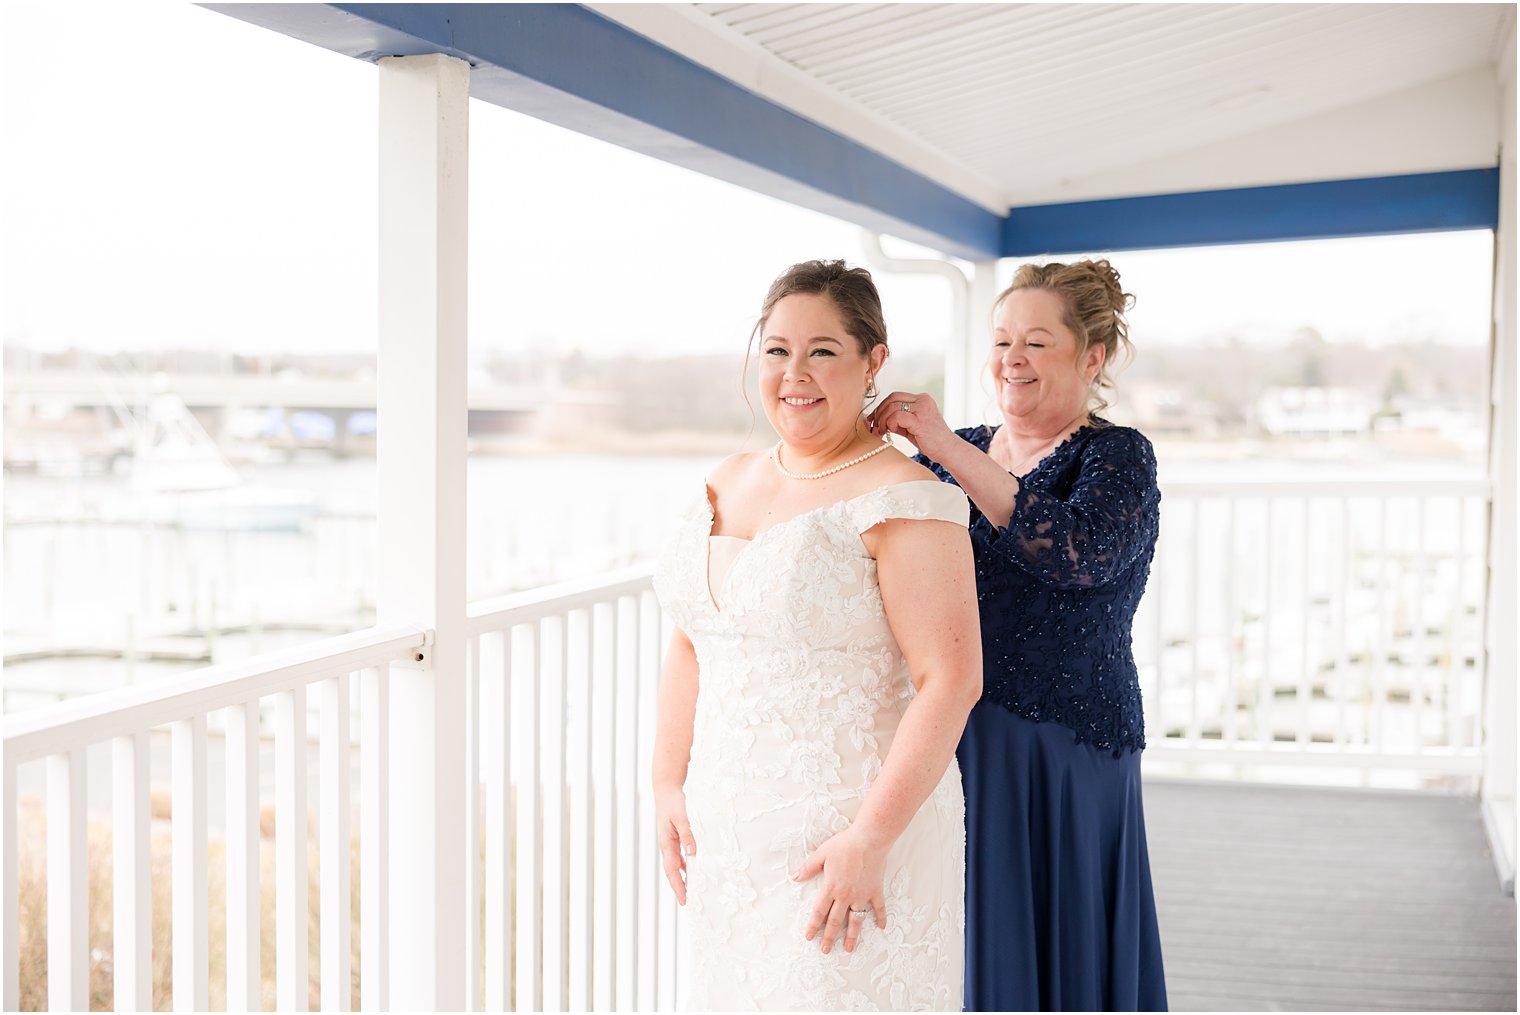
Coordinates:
<point>1283,899</point>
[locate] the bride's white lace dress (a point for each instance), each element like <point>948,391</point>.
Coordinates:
<point>801,689</point>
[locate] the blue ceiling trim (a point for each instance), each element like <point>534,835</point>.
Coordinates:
<point>1423,202</point>
<point>569,65</point>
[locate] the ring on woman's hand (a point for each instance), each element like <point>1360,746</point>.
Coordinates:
<point>905,406</point>
<point>861,912</point>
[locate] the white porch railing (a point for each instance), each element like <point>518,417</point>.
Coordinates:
<point>561,689</point>
<point>563,682</point>
<point>1306,623</point>
<point>230,696</point>
<point>1318,623</point>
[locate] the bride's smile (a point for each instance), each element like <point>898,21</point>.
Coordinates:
<point>813,379</point>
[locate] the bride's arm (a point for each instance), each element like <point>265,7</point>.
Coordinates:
<point>677,707</point>
<point>929,591</point>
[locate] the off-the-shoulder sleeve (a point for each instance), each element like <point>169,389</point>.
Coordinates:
<point>1100,528</point>
<point>927,499</point>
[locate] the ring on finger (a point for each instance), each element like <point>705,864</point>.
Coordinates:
<point>862,913</point>
<point>905,406</point>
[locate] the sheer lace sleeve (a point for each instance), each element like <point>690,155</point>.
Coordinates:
<point>1058,586</point>
<point>1091,535</point>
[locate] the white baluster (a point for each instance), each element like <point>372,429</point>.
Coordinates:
<point>11,931</point>
<point>1305,690</point>
<point>471,856</point>
<point>1417,643</point>
<point>578,744</point>
<point>374,860</point>
<point>1228,729</point>
<point>243,935</point>
<point>131,879</point>
<point>1155,596</point>
<point>1195,584</point>
<point>496,711</point>
<point>525,671</point>
<point>1344,554</point>
<point>1266,691</point>
<point>629,705</point>
<point>189,868</point>
<point>553,674</point>
<point>1377,735</point>
<point>1456,658</point>
<point>604,731</point>
<point>290,865</point>
<point>67,884</point>
<point>667,999</point>
<point>336,848</point>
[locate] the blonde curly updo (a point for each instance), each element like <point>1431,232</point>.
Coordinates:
<point>1095,305</point>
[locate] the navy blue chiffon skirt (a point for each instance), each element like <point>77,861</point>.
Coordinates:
<point>1060,915</point>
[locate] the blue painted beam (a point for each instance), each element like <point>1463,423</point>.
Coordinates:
<point>1423,202</point>
<point>571,66</point>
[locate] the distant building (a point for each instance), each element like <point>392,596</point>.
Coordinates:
<point>1438,415</point>
<point>1163,410</point>
<point>1315,412</point>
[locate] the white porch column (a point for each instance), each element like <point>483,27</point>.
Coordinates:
<point>1499,703</point>
<point>986,283</point>
<point>421,371</point>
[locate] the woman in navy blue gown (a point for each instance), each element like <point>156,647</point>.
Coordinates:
<point>1060,915</point>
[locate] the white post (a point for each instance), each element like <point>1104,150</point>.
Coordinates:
<point>1499,706</point>
<point>986,283</point>
<point>421,394</point>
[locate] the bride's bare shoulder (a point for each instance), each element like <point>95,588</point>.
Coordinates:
<point>736,468</point>
<point>896,467</point>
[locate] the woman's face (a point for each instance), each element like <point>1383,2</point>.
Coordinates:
<point>1037,376</point>
<point>812,374</point>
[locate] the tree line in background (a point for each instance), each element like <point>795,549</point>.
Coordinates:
<point>1302,384</point>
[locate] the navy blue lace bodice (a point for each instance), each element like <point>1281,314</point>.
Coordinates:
<point>1058,585</point>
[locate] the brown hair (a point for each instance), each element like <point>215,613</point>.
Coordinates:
<point>851,289</point>
<point>853,294</point>
<point>1095,305</point>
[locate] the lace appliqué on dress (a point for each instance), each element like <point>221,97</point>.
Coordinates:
<point>802,687</point>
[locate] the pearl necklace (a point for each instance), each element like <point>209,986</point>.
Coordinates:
<point>886,442</point>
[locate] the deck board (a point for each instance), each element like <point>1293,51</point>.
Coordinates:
<point>1293,899</point>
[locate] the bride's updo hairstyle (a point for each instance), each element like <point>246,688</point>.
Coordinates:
<point>851,289</point>
<point>1095,307</point>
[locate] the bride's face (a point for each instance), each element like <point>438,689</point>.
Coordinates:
<point>813,375</point>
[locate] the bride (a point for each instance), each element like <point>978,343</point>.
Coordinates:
<point>827,653</point>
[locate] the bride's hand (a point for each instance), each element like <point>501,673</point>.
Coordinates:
<point>853,869</point>
<point>675,838</point>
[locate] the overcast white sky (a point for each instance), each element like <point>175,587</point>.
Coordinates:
<point>174,177</point>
